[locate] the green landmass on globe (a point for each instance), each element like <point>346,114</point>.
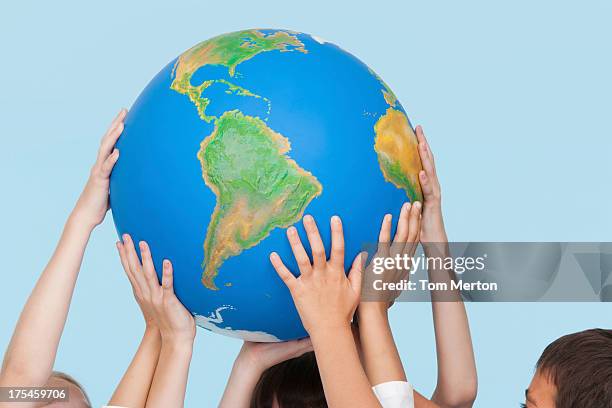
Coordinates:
<point>227,50</point>
<point>258,187</point>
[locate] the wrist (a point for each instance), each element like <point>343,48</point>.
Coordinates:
<point>433,204</point>
<point>373,310</point>
<point>434,234</point>
<point>432,226</point>
<point>150,323</point>
<point>177,344</point>
<point>78,219</point>
<point>179,337</point>
<point>247,365</point>
<point>329,332</point>
<point>152,331</point>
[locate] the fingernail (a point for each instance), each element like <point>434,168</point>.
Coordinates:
<point>142,245</point>
<point>273,255</point>
<point>118,245</point>
<point>166,263</point>
<point>308,218</point>
<point>291,231</point>
<point>417,205</point>
<point>126,238</point>
<point>406,206</point>
<point>388,217</point>
<point>335,219</point>
<point>423,175</point>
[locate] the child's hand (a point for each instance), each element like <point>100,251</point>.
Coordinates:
<point>326,301</point>
<point>92,205</point>
<point>159,304</point>
<point>261,356</point>
<point>432,227</point>
<point>325,298</point>
<point>404,244</point>
<point>134,276</point>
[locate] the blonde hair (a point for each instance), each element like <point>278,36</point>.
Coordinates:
<point>68,378</point>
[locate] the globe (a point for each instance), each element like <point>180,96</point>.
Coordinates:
<point>233,142</point>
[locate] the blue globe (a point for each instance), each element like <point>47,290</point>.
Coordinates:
<point>232,142</point>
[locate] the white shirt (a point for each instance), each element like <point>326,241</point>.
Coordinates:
<point>395,394</point>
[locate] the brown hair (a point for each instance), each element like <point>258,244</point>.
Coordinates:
<point>580,367</point>
<point>294,383</point>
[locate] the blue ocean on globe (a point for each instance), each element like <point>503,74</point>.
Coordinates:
<point>352,153</point>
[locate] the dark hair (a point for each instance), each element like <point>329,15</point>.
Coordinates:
<point>580,367</point>
<point>294,383</point>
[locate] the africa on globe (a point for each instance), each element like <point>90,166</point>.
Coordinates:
<point>233,142</point>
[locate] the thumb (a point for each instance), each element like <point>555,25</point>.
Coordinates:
<point>426,185</point>
<point>167,277</point>
<point>356,273</point>
<point>109,163</point>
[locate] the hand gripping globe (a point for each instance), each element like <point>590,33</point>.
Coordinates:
<point>232,142</point>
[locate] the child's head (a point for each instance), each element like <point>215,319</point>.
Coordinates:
<point>574,371</point>
<point>295,383</point>
<point>77,396</point>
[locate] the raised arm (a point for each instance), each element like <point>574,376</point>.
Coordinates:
<point>457,381</point>
<point>176,326</point>
<point>30,356</point>
<point>381,358</point>
<point>326,301</point>
<point>133,389</point>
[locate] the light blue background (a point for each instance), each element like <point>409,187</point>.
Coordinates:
<point>515,99</point>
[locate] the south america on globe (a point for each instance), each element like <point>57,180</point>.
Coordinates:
<point>232,142</point>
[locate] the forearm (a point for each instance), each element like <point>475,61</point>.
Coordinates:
<point>380,356</point>
<point>240,385</point>
<point>344,381</point>
<point>170,379</point>
<point>134,387</point>
<point>457,381</point>
<point>28,360</point>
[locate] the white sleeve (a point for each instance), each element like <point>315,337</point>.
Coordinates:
<point>395,394</point>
